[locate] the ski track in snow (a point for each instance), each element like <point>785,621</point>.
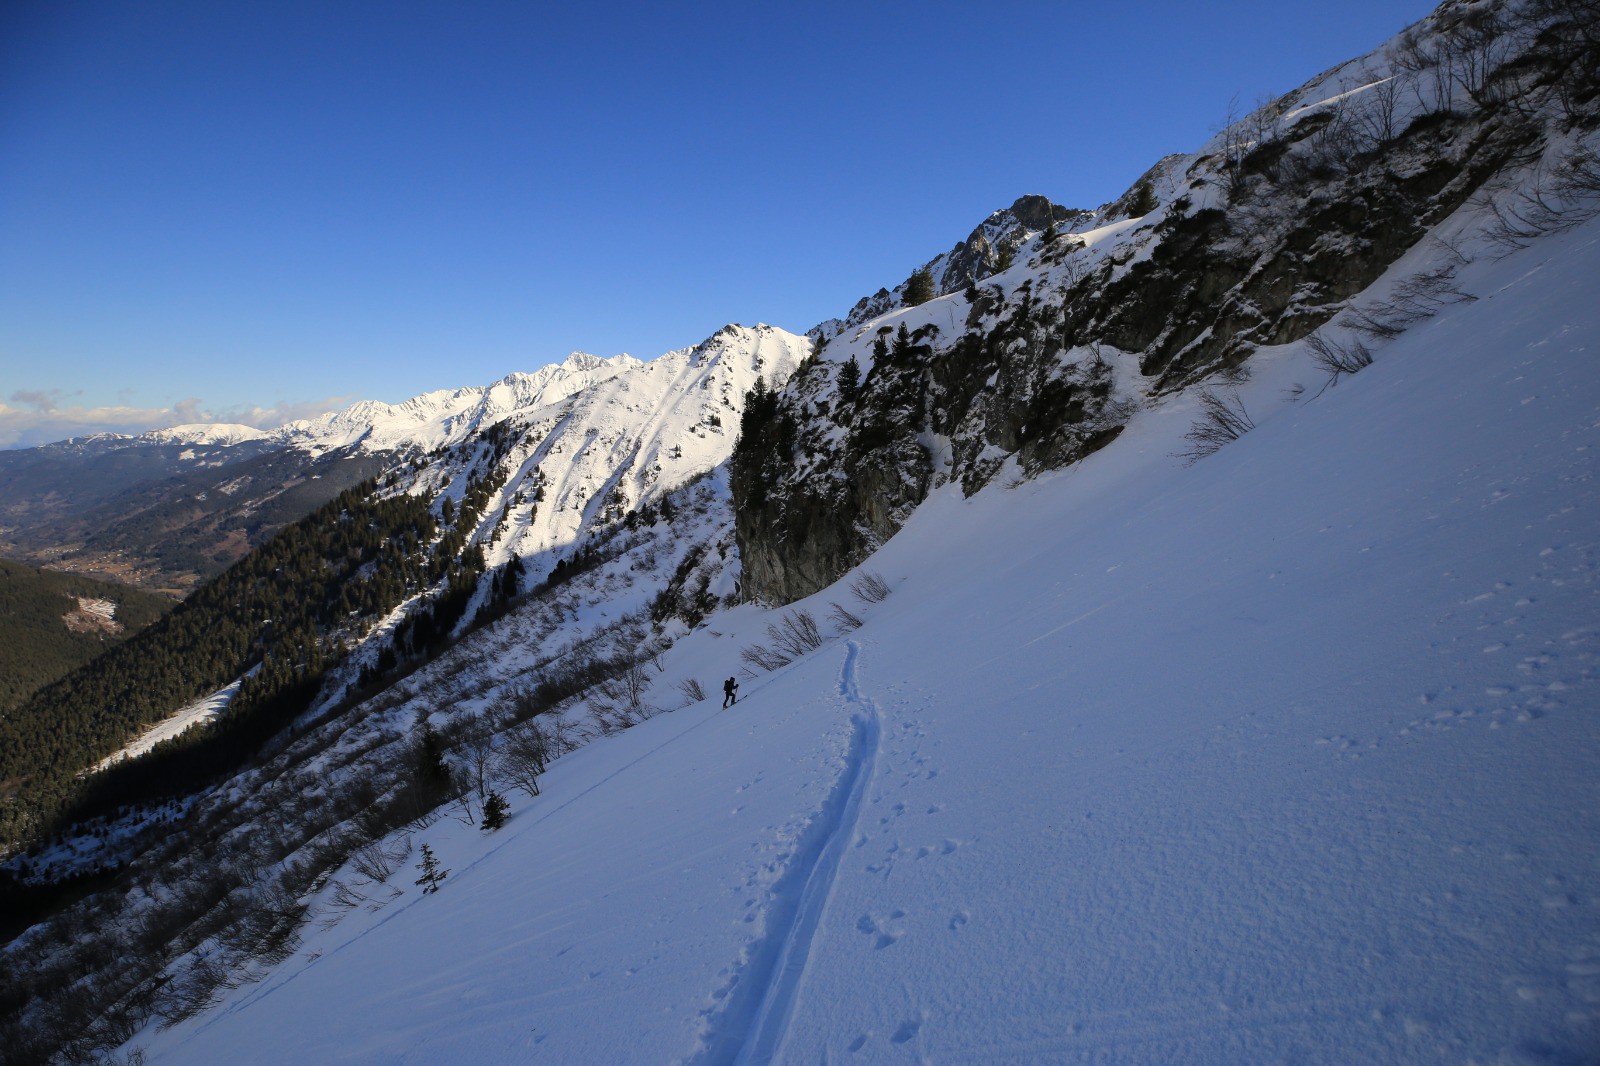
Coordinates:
<point>756,1020</point>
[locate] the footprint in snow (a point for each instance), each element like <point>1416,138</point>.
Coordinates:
<point>907,1031</point>
<point>884,936</point>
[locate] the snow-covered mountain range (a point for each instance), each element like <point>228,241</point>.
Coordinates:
<point>115,504</point>
<point>444,417</point>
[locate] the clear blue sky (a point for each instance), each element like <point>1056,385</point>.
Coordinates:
<point>209,207</point>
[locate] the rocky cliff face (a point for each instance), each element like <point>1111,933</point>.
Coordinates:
<point>987,248</point>
<point>1258,239</point>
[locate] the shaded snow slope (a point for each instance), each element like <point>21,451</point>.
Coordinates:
<point>1286,756</point>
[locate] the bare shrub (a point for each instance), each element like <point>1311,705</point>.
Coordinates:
<point>563,737</point>
<point>608,719</point>
<point>1325,152</point>
<point>1223,419</point>
<point>761,657</point>
<point>345,896</point>
<point>692,691</point>
<point>1578,173</point>
<point>1476,42</point>
<point>1426,292</point>
<point>870,587</point>
<point>1336,358</point>
<point>1377,111</point>
<point>1373,323</point>
<point>190,992</point>
<point>1568,196</point>
<point>266,928</point>
<point>1416,299</point>
<point>843,620</point>
<point>525,751</point>
<point>376,861</point>
<point>1421,55</point>
<point>795,634</point>
<point>635,681</point>
<point>476,755</point>
<point>1241,136</point>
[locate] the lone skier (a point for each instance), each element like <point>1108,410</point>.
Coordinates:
<point>730,693</point>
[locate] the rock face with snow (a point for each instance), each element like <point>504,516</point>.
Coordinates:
<point>594,440</point>
<point>995,239</point>
<point>445,417</point>
<point>1261,237</point>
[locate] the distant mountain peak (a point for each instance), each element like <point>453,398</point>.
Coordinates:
<point>206,433</point>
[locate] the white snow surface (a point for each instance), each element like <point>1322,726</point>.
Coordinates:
<point>205,433</point>
<point>1287,756</point>
<point>175,724</point>
<point>106,609</point>
<point>448,416</point>
<point>637,431</point>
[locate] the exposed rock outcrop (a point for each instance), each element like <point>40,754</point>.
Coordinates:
<point>1258,239</point>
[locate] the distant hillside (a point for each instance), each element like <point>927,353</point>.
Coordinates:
<point>160,514</point>
<point>51,624</point>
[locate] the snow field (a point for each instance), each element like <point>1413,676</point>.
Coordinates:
<point>1287,757</point>
<point>632,889</point>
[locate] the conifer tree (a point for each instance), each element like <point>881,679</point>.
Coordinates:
<point>1008,255</point>
<point>902,343</point>
<point>431,874</point>
<point>849,380</point>
<point>494,811</point>
<point>1144,200</point>
<point>432,770</point>
<point>919,287</point>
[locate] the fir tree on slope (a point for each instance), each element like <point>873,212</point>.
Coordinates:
<point>919,287</point>
<point>849,380</point>
<point>494,811</point>
<point>431,874</point>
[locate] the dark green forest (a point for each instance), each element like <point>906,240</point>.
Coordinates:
<point>36,645</point>
<point>282,612</point>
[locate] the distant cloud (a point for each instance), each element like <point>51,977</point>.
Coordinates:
<point>34,417</point>
<point>42,400</point>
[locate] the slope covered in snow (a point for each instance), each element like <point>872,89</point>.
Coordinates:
<point>1288,755</point>
<point>587,455</point>
<point>447,416</point>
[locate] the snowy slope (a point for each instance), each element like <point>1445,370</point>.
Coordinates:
<point>623,440</point>
<point>209,433</point>
<point>447,416</point>
<point>175,725</point>
<point>1286,756</point>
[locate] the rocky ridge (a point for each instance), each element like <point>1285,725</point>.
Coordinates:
<point>1261,237</point>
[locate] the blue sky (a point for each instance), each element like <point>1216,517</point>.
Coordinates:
<point>256,211</point>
